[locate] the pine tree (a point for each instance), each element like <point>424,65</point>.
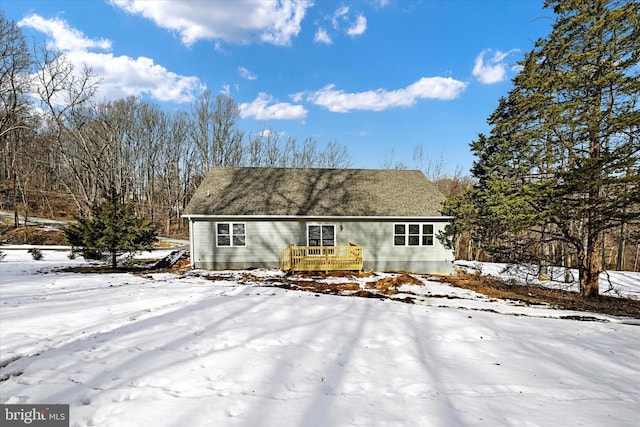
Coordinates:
<point>562,161</point>
<point>111,229</point>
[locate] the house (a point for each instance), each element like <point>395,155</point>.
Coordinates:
<point>241,217</point>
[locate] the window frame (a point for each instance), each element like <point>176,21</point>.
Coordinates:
<point>321,238</point>
<point>412,237</point>
<point>231,234</point>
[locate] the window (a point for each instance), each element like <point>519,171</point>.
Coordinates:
<point>427,234</point>
<point>413,234</point>
<point>230,234</point>
<point>321,235</point>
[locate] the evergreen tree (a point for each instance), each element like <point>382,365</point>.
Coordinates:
<point>562,161</point>
<point>111,229</point>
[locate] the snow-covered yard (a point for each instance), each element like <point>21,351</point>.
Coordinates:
<point>168,350</point>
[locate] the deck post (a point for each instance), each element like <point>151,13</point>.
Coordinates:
<point>291,257</point>
<point>326,260</point>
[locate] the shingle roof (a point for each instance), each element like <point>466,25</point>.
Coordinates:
<point>315,192</point>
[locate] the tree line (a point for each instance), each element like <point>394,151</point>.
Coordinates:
<point>558,176</point>
<point>58,142</point>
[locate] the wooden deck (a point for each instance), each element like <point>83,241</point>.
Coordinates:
<point>321,258</point>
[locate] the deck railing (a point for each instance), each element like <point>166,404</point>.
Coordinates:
<point>321,258</point>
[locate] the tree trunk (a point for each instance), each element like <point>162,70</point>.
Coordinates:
<point>14,195</point>
<point>543,267</point>
<point>621,246</point>
<point>567,263</point>
<point>603,251</point>
<point>114,260</point>
<point>590,268</point>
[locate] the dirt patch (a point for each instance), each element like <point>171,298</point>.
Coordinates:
<point>138,266</point>
<point>182,265</point>
<point>102,269</point>
<point>369,294</point>
<point>375,288</point>
<point>32,236</point>
<point>536,295</point>
<point>323,287</point>
<point>317,275</point>
<point>390,285</point>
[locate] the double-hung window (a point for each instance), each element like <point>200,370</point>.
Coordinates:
<point>231,234</point>
<point>321,235</point>
<point>413,234</point>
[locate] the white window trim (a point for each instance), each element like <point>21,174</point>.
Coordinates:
<point>321,225</point>
<point>231,245</point>
<point>420,235</point>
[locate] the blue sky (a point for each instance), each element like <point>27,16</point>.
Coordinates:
<point>380,77</point>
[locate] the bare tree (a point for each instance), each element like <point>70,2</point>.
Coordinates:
<point>335,156</point>
<point>218,140</point>
<point>432,168</point>
<point>15,65</point>
<point>172,159</point>
<point>64,95</point>
<point>265,150</point>
<point>390,161</point>
<point>227,137</point>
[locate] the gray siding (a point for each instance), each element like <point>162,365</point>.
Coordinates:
<point>266,238</point>
<point>380,254</point>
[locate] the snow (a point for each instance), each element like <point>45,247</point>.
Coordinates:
<point>168,350</point>
<point>612,283</point>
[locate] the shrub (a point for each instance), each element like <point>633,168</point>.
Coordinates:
<point>36,254</point>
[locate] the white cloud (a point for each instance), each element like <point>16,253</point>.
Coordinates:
<point>121,76</point>
<point>343,21</point>
<point>444,88</point>
<point>493,69</point>
<point>261,110</point>
<point>270,133</point>
<point>66,38</point>
<point>246,74</point>
<point>341,14</point>
<point>298,97</point>
<point>358,27</point>
<point>270,21</point>
<point>322,36</point>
